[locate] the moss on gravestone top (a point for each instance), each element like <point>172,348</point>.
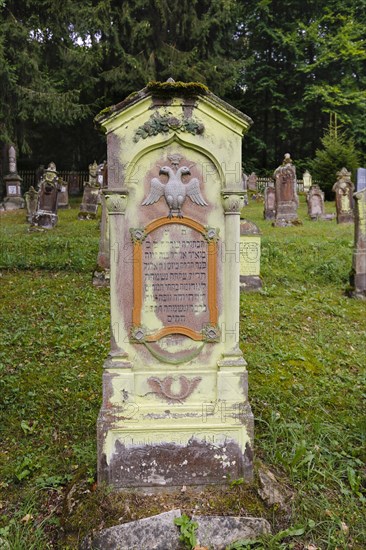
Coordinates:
<point>171,88</point>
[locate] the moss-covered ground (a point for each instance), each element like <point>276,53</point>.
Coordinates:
<point>305,344</point>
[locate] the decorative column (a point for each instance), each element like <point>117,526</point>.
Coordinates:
<point>13,199</point>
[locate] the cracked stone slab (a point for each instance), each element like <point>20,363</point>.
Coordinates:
<point>216,532</point>
<point>155,533</point>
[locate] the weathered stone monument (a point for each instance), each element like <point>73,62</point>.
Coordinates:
<point>102,273</point>
<point>252,182</point>
<point>63,197</point>
<point>307,181</point>
<point>343,188</point>
<point>361,179</point>
<point>315,201</point>
<point>31,202</point>
<point>13,199</point>
<point>287,200</point>
<point>250,253</point>
<point>269,212</point>
<point>358,273</point>
<point>91,195</point>
<point>175,406</point>
<point>46,216</point>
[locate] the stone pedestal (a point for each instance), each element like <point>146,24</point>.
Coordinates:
<point>13,199</point>
<point>175,399</point>
<point>358,274</point>
<point>250,254</point>
<point>343,188</point>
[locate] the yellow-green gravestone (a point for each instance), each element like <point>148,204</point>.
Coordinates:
<point>175,404</point>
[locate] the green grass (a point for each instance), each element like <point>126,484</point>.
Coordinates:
<point>303,339</point>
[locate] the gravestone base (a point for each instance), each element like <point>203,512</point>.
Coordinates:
<point>286,214</point>
<point>101,278</point>
<point>250,283</point>
<point>45,220</point>
<point>346,217</point>
<point>84,215</point>
<point>269,214</point>
<point>13,203</point>
<point>175,453</point>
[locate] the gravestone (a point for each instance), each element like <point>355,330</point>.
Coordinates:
<point>307,181</point>
<point>287,200</point>
<point>358,274</point>
<point>361,179</point>
<point>46,215</point>
<point>175,407</point>
<point>31,202</point>
<point>63,197</point>
<point>343,188</point>
<point>252,182</point>
<point>269,212</point>
<point>250,253</point>
<point>315,201</point>
<point>12,180</point>
<point>101,275</point>
<point>91,195</point>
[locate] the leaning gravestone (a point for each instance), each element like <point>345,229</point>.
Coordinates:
<point>91,195</point>
<point>287,200</point>
<point>175,406</point>
<point>315,201</point>
<point>46,215</point>
<point>343,188</point>
<point>361,179</point>
<point>269,212</point>
<point>358,274</point>
<point>13,199</point>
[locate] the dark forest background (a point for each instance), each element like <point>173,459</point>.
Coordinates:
<point>289,65</point>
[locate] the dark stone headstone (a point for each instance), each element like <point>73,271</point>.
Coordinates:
<point>91,195</point>
<point>46,215</point>
<point>315,200</point>
<point>269,212</point>
<point>286,193</point>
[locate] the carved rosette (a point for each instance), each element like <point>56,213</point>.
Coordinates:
<point>163,387</point>
<point>116,203</point>
<point>233,202</point>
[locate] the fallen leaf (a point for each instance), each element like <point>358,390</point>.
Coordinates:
<point>27,518</point>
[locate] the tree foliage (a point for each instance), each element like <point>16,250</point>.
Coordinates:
<point>287,64</point>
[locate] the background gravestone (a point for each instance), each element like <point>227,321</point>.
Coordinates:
<point>46,215</point>
<point>361,179</point>
<point>269,212</point>
<point>13,199</point>
<point>358,274</point>
<point>31,202</point>
<point>250,253</point>
<point>315,202</point>
<point>307,181</point>
<point>252,182</point>
<point>63,197</point>
<point>343,188</point>
<point>287,200</point>
<point>91,195</point>
<point>175,406</point>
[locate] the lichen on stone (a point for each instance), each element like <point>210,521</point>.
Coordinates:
<point>179,88</point>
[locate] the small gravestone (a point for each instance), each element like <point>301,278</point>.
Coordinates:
<point>31,202</point>
<point>13,199</point>
<point>315,201</point>
<point>91,195</point>
<point>343,188</point>
<point>287,200</point>
<point>250,253</point>
<point>46,215</point>
<point>175,407</point>
<point>63,197</point>
<point>252,182</point>
<point>358,274</point>
<point>307,181</point>
<point>361,179</point>
<point>269,212</point>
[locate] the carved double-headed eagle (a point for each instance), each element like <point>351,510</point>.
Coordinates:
<point>175,191</point>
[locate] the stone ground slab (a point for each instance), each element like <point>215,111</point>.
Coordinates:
<point>160,533</point>
<point>153,533</point>
<point>217,532</point>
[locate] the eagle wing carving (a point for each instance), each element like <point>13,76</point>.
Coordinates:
<point>156,191</point>
<point>194,192</point>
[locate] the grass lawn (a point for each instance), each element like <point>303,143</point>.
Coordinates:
<point>303,339</point>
